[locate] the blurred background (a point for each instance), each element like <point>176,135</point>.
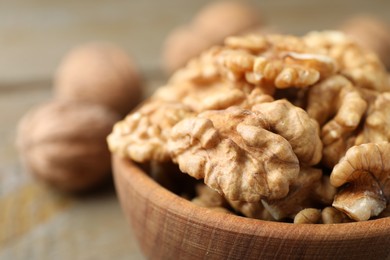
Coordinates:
<point>35,34</point>
<point>39,223</point>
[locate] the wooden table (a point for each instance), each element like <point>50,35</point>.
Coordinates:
<point>38,223</point>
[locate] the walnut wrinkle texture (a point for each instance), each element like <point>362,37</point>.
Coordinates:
<point>366,170</point>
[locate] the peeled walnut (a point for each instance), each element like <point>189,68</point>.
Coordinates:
<point>331,215</point>
<point>363,175</point>
<point>376,127</point>
<point>308,216</point>
<point>228,75</point>
<point>338,107</point>
<point>213,96</point>
<point>295,125</point>
<point>284,61</point>
<point>270,62</point>
<point>218,95</point>
<point>63,143</point>
<point>361,66</point>
<point>209,198</point>
<point>101,73</point>
<point>202,85</point>
<point>271,139</point>
<point>309,189</point>
<point>231,126</point>
<point>142,135</point>
<point>251,209</point>
<point>236,154</point>
<point>328,215</point>
<point>371,33</point>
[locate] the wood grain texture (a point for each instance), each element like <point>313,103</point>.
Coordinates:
<point>169,227</point>
<point>26,208</point>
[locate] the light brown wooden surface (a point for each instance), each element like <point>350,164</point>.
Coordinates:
<point>37,223</point>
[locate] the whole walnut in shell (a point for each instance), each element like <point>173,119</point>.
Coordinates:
<point>224,18</point>
<point>210,26</point>
<point>182,44</point>
<point>100,73</point>
<point>63,143</point>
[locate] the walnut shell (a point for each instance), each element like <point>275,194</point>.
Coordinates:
<point>224,18</point>
<point>100,73</point>
<point>63,143</point>
<point>182,44</point>
<point>209,27</point>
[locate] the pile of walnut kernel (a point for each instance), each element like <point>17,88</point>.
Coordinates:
<point>278,127</point>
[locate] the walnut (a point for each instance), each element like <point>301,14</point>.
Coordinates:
<point>202,86</point>
<point>335,98</point>
<point>328,215</point>
<point>282,61</point>
<point>200,70</point>
<point>142,135</point>
<point>359,65</point>
<point>217,95</point>
<point>209,198</point>
<point>236,154</point>
<point>101,73</point>
<point>63,143</point>
<point>295,126</point>
<point>266,62</point>
<point>227,75</point>
<point>251,42</point>
<point>221,210</point>
<point>235,118</point>
<point>363,176</point>
<point>309,189</point>
<point>376,127</point>
<point>308,216</point>
<point>251,209</point>
<point>331,215</point>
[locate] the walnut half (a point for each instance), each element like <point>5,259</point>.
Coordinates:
<point>365,174</point>
<point>236,154</point>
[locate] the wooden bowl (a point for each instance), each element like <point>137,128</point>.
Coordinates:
<point>170,227</point>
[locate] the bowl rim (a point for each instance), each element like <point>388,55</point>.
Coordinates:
<point>161,197</point>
